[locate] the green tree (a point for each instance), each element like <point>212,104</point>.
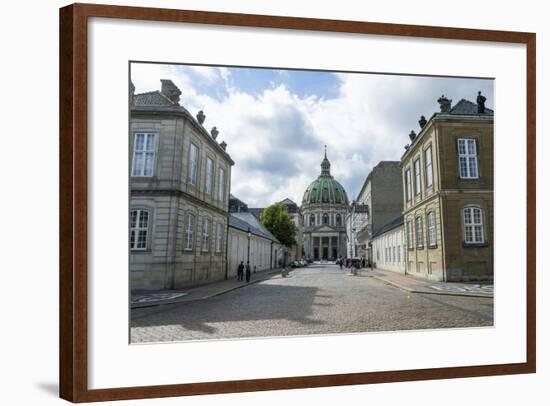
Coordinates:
<point>277,220</point>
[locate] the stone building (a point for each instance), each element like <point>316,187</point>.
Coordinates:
<point>249,240</point>
<point>378,202</point>
<point>388,246</point>
<point>179,189</point>
<point>448,194</point>
<point>324,208</point>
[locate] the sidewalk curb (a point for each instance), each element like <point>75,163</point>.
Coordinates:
<point>428,292</point>
<point>268,275</point>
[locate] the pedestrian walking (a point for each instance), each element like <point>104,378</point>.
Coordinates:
<point>341,262</point>
<point>247,271</point>
<point>240,271</point>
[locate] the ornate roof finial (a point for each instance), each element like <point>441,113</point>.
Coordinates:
<point>325,165</point>
<point>480,103</point>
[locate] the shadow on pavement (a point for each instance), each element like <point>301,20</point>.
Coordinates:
<point>256,302</point>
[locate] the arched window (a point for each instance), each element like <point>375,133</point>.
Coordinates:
<point>474,232</point>
<point>338,220</point>
<point>312,220</point>
<point>325,218</point>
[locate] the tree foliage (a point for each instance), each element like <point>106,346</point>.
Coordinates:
<point>277,220</point>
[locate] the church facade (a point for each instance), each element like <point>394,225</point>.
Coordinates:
<point>324,208</point>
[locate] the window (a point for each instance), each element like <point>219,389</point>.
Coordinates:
<point>208,178</point>
<point>473,225</point>
<point>399,253</point>
<point>417,183</point>
<point>189,231</point>
<point>408,190</point>
<point>312,220</point>
<point>432,236</point>
<point>144,154</point>
<point>467,158</point>
<point>221,185</point>
<point>428,166</point>
<point>393,254</point>
<point>219,237</point>
<point>193,163</point>
<point>419,232</point>
<point>338,220</point>
<point>325,218</point>
<point>410,234</point>
<point>205,233</point>
<point>139,225</point>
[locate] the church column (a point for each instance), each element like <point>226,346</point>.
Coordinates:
<point>329,247</point>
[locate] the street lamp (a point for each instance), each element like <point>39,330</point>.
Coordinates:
<point>249,234</point>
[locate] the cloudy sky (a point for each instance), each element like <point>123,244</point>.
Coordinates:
<point>276,122</point>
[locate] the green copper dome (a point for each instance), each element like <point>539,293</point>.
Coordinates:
<point>325,189</point>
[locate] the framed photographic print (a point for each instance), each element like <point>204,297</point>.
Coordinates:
<point>256,202</point>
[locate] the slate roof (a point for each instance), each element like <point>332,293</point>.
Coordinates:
<point>466,107</point>
<point>243,221</point>
<point>288,202</point>
<point>389,226</point>
<point>256,211</point>
<point>154,98</point>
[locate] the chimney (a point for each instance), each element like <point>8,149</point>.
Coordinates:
<point>170,90</point>
<point>201,117</point>
<point>444,104</point>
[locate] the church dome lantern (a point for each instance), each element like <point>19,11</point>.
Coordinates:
<point>325,189</point>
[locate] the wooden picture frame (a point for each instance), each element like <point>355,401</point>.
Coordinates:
<point>73,282</point>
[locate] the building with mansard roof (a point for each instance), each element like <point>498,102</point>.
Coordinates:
<point>179,191</point>
<point>447,173</point>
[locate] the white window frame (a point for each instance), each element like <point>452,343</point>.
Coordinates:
<point>468,167</point>
<point>138,228</point>
<point>219,237</point>
<point>192,169</point>
<point>428,166</point>
<point>417,178</point>
<point>189,231</point>
<point>410,234</point>
<point>408,185</point>
<point>419,232</point>
<point>208,178</point>
<point>205,246</point>
<point>471,226</point>
<point>139,170</point>
<point>221,184</point>
<point>432,230</point>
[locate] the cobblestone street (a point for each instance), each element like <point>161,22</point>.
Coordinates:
<point>319,299</point>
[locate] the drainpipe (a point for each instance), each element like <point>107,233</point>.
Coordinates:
<point>271,256</point>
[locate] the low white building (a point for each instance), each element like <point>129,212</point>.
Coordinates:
<point>247,240</point>
<point>388,247</point>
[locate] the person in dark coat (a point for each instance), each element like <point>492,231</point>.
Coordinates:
<point>240,271</point>
<point>247,271</point>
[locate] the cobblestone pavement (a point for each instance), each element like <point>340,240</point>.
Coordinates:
<point>319,299</point>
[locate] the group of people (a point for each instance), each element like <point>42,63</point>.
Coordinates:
<point>243,271</point>
<point>351,262</point>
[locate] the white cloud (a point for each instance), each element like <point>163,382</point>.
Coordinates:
<point>276,138</point>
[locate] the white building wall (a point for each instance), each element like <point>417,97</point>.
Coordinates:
<point>260,252</point>
<point>389,250</point>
